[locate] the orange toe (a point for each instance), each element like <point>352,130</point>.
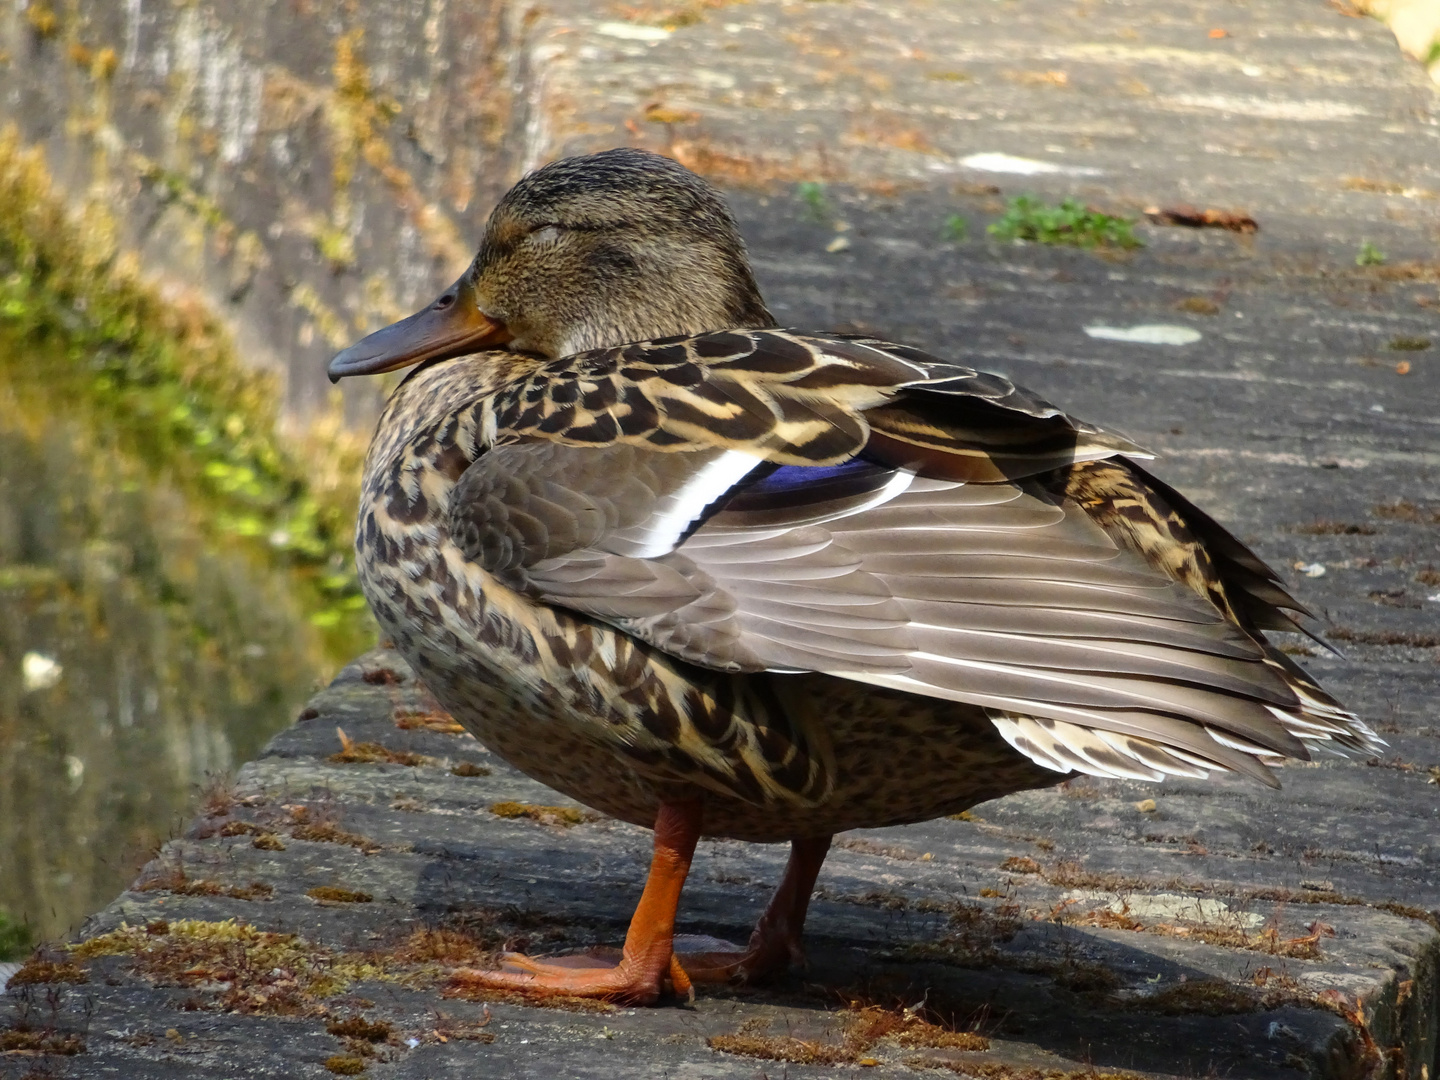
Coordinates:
<point>624,983</point>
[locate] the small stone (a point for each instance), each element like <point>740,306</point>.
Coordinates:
<point>1146,806</point>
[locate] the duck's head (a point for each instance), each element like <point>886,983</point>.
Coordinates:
<point>585,253</point>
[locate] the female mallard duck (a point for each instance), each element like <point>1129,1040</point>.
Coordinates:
<point>732,580</point>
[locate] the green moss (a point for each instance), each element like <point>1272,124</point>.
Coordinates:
<point>1073,223</point>
<point>15,939</point>
<point>276,974</point>
<point>546,815</point>
<point>357,1027</point>
<point>175,188</point>
<point>38,972</point>
<point>1369,255</point>
<point>334,894</point>
<point>80,331</point>
<point>1207,997</point>
<point>43,1041</point>
<point>336,247</point>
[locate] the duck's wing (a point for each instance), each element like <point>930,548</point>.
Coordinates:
<point>941,532</point>
<point>602,465</point>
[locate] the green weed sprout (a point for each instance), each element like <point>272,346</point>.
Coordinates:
<point>1028,218</point>
<point>1369,255</point>
<point>817,206</point>
<point>955,229</point>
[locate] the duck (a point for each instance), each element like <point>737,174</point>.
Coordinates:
<point>717,578</point>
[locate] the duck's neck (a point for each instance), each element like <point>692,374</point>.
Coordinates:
<point>429,432</point>
<point>621,328</point>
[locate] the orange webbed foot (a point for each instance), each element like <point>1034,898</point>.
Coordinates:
<point>638,974</point>
<point>710,960</point>
<point>587,975</point>
<point>654,961</point>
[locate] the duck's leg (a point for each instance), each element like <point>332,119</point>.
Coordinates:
<point>647,959</point>
<point>775,943</point>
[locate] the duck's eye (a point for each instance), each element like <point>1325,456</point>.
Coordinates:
<point>545,234</point>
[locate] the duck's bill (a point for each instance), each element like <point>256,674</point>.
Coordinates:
<point>452,326</point>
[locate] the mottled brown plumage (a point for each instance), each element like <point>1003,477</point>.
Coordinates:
<point>747,582</point>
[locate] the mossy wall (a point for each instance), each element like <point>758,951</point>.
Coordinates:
<point>199,203</point>
<point>307,170</point>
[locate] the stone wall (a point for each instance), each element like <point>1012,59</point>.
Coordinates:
<point>313,168</point>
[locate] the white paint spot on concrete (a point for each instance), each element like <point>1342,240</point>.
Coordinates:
<point>1147,334</point>
<point>631,32</point>
<point>1006,163</point>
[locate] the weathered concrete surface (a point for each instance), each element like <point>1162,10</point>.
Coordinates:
<point>991,921</point>
<point>1294,418</point>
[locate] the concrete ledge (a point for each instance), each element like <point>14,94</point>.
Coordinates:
<point>1070,929</point>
